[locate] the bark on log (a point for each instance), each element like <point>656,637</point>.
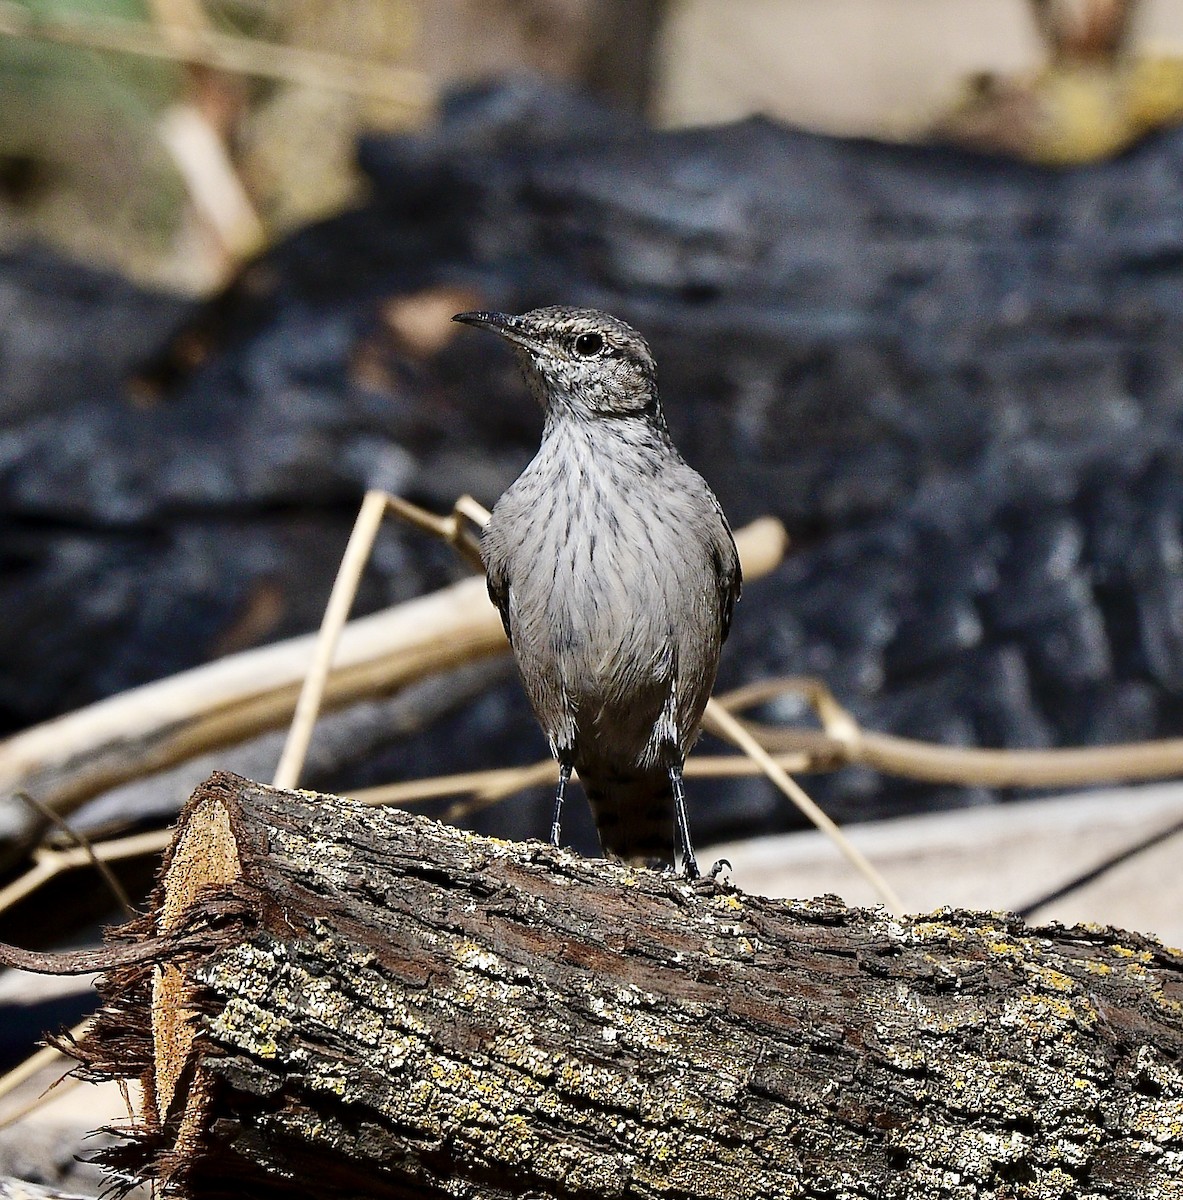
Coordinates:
<point>363,1002</point>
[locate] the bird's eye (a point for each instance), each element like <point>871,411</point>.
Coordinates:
<point>588,345</point>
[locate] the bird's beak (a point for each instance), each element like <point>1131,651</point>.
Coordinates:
<point>509,327</point>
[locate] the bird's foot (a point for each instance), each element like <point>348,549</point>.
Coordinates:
<point>711,881</point>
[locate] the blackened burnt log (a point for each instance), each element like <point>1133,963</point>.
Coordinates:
<point>356,1001</point>
<point>956,380</point>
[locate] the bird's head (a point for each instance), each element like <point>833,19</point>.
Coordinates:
<point>578,361</point>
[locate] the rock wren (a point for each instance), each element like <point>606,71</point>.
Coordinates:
<point>615,573</point>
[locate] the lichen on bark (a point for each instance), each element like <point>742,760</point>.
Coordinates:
<point>410,1010</point>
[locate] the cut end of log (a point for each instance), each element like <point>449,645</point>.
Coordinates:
<point>204,855</point>
<point>365,1002</point>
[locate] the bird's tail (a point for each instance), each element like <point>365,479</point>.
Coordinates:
<point>634,815</point>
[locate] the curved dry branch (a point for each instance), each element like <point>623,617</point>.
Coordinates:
<point>66,761</point>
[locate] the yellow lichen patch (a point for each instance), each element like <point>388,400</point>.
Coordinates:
<point>332,857</point>
<point>656,1145</point>
<point>516,1050</point>
<point>1159,1120</point>
<point>1050,978</point>
<point>514,1142</point>
<point>464,1096</point>
<point>905,1058</point>
<point>244,1024</point>
<point>332,1082</point>
<point>926,1013</point>
<point>935,931</point>
<point>678,1104</point>
<point>1044,1017</point>
<point>581,1169</point>
<point>599,1084</point>
<point>956,1155</point>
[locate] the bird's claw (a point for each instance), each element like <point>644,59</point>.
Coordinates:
<point>710,880</point>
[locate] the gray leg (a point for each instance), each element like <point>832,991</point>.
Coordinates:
<point>560,792</point>
<point>682,823</point>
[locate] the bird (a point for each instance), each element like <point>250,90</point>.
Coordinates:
<point>615,573</point>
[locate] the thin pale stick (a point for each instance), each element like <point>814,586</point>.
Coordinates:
<point>450,529</point>
<point>357,554</point>
<point>408,89</point>
<point>487,797</point>
<point>843,742</point>
<point>499,782</point>
<point>440,787</point>
<point>58,1088</point>
<point>474,510</point>
<point>836,722</point>
<point>47,864</point>
<point>45,1057</point>
<point>84,844</point>
<point>45,867</point>
<point>722,722</point>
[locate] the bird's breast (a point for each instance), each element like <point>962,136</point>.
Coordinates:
<point>597,562</point>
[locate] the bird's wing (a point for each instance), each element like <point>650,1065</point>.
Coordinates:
<point>497,580</point>
<point>728,573</point>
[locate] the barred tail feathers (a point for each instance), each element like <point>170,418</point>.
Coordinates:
<point>634,815</point>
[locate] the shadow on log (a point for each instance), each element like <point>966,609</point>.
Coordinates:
<point>362,1002</point>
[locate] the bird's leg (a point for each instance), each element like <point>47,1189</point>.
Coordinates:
<point>560,792</point>
<point>682,822</point>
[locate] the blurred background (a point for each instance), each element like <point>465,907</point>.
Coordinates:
<point>913,273</point>
<point>174,138</point>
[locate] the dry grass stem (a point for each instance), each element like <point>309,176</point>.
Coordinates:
<point>47,1056</point>
<point>402,88</point>
<point>501,782</point>
<point>353,563</point>
<point>450,529</point>
<point>720,721</point>
<point>67,1083</point>
<point>84,844</point>
<point>48,864</point>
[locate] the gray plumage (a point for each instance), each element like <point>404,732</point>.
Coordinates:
<point>615,573</point>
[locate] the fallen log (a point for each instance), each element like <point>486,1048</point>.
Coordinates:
<point>348,1001</point>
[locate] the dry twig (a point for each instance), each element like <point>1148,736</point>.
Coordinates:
<point>66,761</point>
<point>84,844</point>
<point>401,87</point>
